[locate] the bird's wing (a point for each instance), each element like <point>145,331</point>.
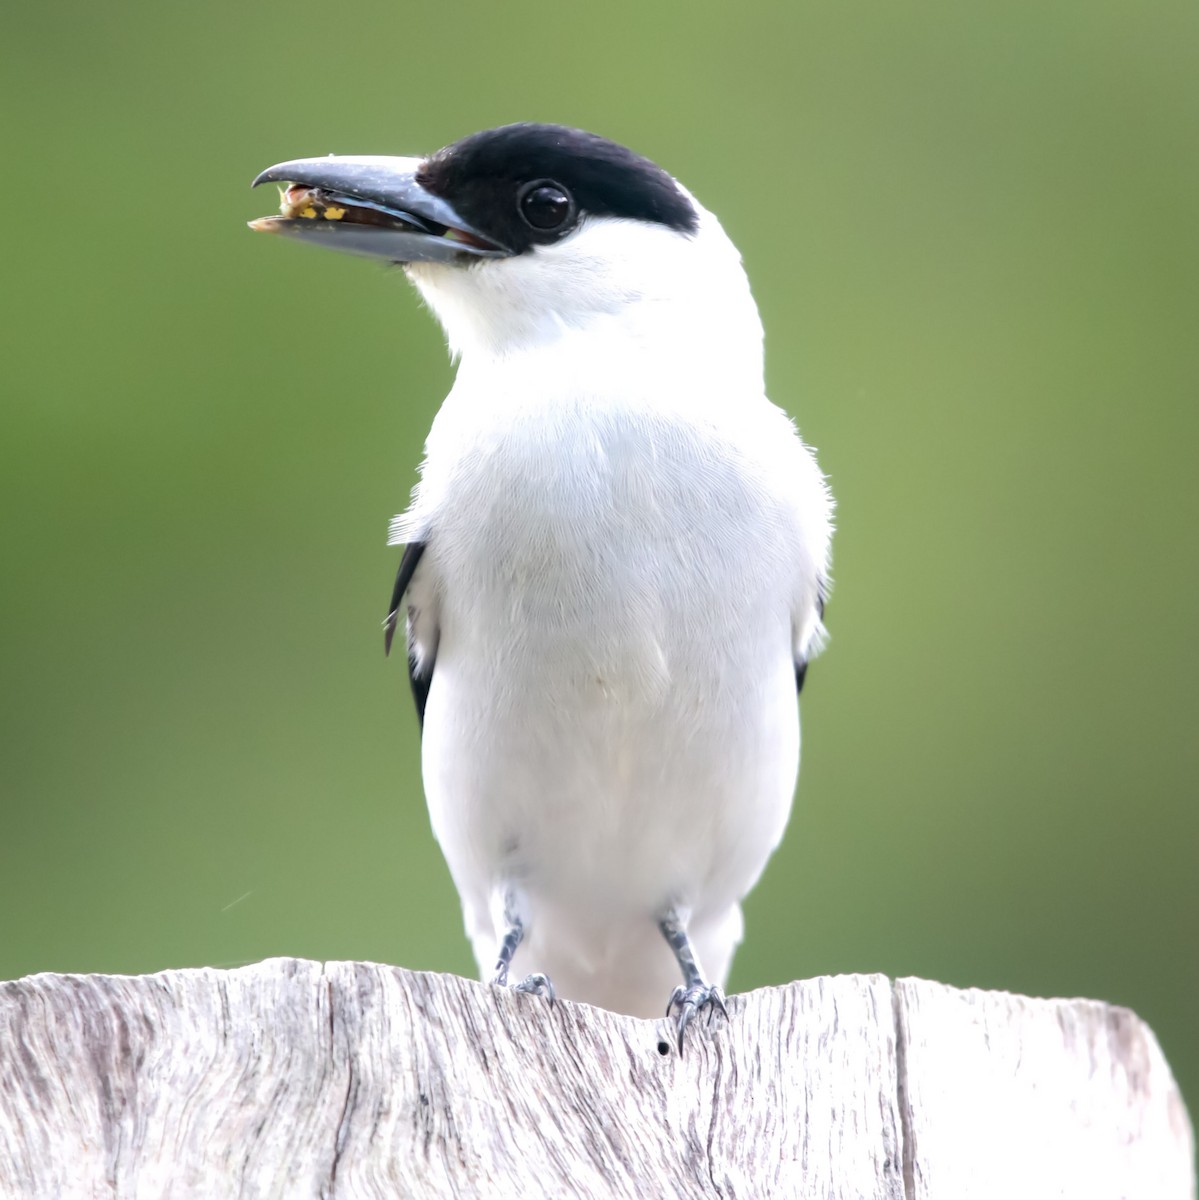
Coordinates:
<point>420,676</point>
<point>420,668</point>
<point>801,661</point>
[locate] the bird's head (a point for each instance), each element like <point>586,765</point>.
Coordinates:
<point>523,235</point>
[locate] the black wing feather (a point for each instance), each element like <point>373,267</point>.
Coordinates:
<point>801,667</point>
<point>420,680</point>
<point>801,670</point>
<point>408,563</point>
<point>418,677</point>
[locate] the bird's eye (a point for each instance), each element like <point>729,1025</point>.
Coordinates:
<point>546,205</point>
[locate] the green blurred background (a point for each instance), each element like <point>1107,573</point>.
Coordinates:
<point>972,233</point>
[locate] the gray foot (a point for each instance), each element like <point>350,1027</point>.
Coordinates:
<point>535,985</point>
<point>692,1000</point>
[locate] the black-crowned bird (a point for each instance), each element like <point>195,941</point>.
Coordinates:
<point>616,558</point>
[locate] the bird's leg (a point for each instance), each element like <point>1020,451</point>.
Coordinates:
<point>514,932</point>
<point>694,994</point>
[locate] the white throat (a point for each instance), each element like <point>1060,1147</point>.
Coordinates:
<point>616,292</point>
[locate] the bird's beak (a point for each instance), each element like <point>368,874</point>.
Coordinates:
<point>370,205</point>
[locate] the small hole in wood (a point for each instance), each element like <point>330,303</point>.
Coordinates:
<point>663,1048</point>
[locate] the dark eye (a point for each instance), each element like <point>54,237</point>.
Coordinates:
<point>545,205</point>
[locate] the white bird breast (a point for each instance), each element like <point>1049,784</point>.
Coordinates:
<point>612,719</point>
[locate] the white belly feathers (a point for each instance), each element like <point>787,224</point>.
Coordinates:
<point>612,606</point>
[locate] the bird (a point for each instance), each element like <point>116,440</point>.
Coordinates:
<point>615,561</point>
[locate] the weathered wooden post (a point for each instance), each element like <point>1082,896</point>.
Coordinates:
<point>296,1079</point>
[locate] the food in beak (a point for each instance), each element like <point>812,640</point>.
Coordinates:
<point>297,202</point>
<point>311,203</point>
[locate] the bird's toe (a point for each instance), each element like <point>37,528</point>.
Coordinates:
<point>537,985</point>
<point>687,1002</point>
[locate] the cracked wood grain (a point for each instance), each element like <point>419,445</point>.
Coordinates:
<point>296,1079</point>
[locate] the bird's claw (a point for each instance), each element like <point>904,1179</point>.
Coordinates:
<point>691,1000</point>
<point>534,985</point>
